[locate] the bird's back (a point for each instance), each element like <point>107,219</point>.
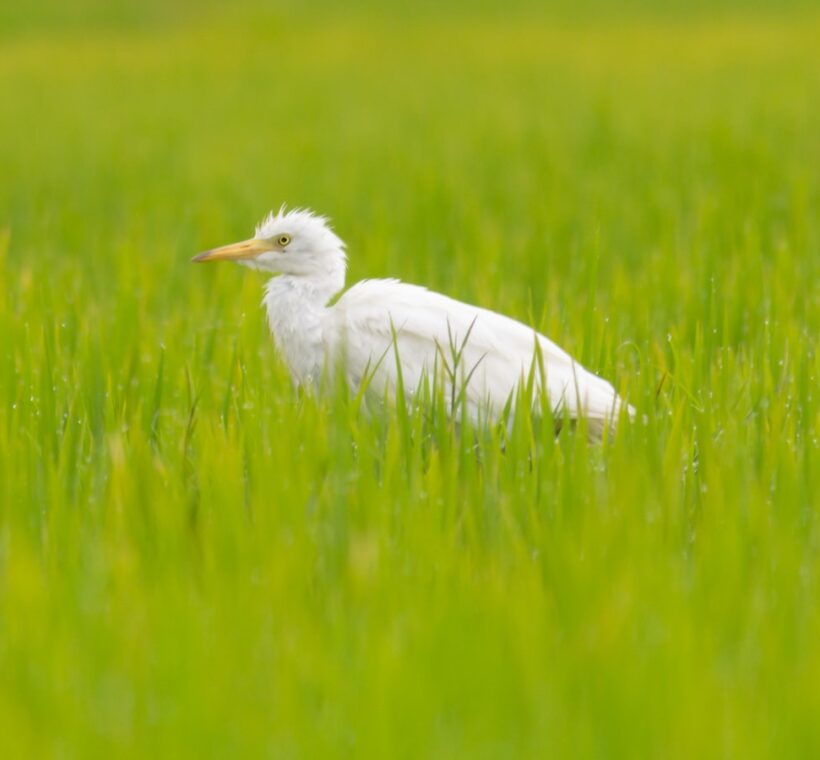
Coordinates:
<point>383,326</point>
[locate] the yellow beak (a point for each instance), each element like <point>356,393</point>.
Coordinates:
<point>247,249</point>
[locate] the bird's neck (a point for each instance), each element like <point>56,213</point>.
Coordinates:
<point>313,289</point>
<point>296,307</point>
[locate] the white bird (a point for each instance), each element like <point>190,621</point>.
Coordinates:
<point>389,333</point>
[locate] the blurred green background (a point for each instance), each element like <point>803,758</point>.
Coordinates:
<point>195,559</point>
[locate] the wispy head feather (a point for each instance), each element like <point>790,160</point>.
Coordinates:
<point>300,223</point>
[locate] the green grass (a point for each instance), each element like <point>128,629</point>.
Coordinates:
<point>197,560</point>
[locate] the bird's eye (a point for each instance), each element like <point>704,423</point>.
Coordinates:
<point>283,240</point>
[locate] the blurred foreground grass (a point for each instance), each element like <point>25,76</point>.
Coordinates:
<point>196,560</point>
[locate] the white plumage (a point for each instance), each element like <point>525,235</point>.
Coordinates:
<point>384,331</point>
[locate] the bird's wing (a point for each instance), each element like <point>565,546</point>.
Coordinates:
<point>376,321</point>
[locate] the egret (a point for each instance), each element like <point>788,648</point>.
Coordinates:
<point>393,335</point>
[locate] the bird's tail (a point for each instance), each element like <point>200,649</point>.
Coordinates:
<point>597,423</point>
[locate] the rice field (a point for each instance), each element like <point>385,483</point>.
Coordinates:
<point>196,559</point>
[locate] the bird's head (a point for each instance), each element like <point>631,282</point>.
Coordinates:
<point>296,242</point>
